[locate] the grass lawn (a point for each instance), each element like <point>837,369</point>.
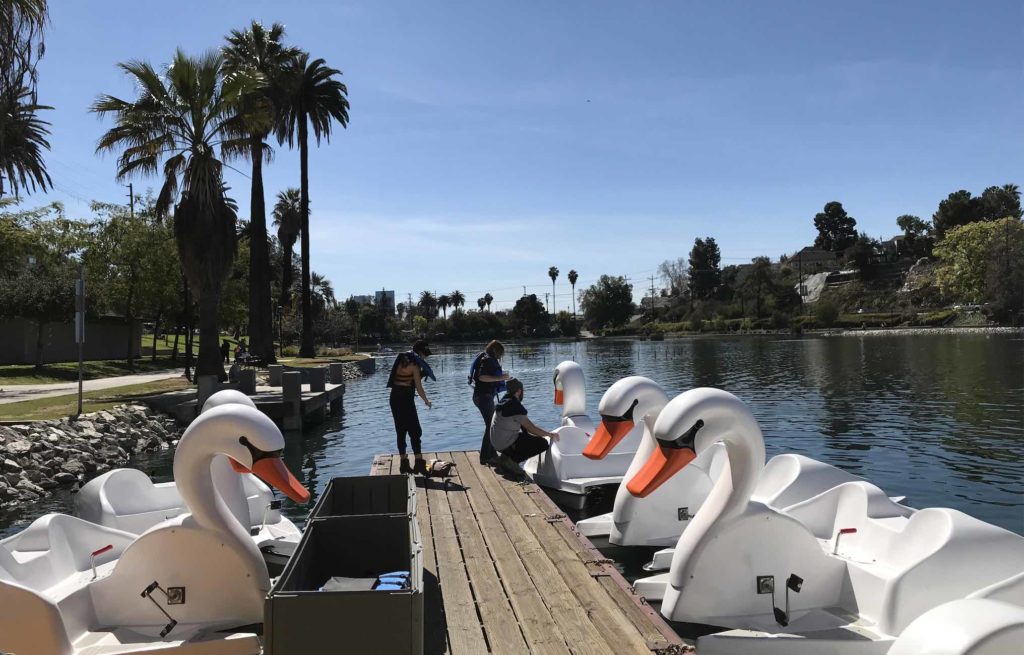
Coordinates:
<point>93,401</point>
<point>68,371</point>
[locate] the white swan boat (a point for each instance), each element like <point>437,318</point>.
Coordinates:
<point>847,571</point>
<point>659,518</point>
<point>189,585</point>
<point>127,499</point>
<point>563,466</point>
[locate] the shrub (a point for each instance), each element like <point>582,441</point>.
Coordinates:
<point>826,312</point>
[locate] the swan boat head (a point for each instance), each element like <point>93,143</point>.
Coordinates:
<point>227,397</point>
<point>630,400</point>
<point>691,423</point>
<point>570,389</point>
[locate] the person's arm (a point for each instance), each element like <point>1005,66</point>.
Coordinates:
<point>536,431</point>
<point>418,381</point>
<point>487,377</point>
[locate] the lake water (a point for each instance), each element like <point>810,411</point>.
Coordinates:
<point>935,417</point>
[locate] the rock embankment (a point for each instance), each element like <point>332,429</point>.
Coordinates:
<point>42,455</point>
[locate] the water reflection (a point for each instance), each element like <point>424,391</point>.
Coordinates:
<point>935,417</point>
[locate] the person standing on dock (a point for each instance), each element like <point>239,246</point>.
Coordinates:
<point>513,434</point>
<point>405,381</point>
<point>488,381</point>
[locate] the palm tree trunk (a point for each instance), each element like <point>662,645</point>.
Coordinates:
<point>261,314</point>
<point>286,275</point>
<point>306,349</point>
<point>156,331</point>
<point>209,361</point>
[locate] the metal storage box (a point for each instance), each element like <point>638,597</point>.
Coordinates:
<point>300,620</point>
<point>369,494</point>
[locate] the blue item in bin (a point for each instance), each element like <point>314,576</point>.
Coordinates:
<point>395,574</point>
<point>394,581</point>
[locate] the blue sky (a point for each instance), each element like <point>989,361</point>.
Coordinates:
<point>490,140</point>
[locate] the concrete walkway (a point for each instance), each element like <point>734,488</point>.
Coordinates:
<point>13,393</point>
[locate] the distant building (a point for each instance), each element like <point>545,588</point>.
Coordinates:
<point>385,300</point>
<point>363,300</point>
<point>814,260</point>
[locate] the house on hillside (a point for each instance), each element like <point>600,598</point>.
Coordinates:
<point>814,260</point>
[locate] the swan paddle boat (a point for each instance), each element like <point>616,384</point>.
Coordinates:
<point>631,403</point>
<point>127,499</point>
<point>563,466</point>
<point>660,518</point>
<point>192,584</point>
<point>851,569</point>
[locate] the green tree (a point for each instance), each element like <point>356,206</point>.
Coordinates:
<point>444,302</point>
<point>999,202</point>
<point>288,220</point>
<point>458,299</point>
<point>673,273</point>
<point>608,302</point>
<point>916,234</point>
<point>44,294</point>
<point>181,120</point>
<point>427,304</point>
<point>836,229</point>
<point>488,299</point>
<point>553,274</point>
<point>826,312</point>
<point>529,317</point>
<point>480,303</point>
<point>132,266</point>
<point>704,269</point>
<point>861,254</point>
<point>311,97</point>
<point>258,55</point>
<point>758,281</point>
<point>959,208</point>
<point>984,262</point>
<point>22,133</point>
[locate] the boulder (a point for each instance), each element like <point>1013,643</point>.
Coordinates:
<point>19,447</point>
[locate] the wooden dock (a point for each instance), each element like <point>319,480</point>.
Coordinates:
<point>506,572</point>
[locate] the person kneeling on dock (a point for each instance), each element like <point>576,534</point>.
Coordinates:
<point>513,434</point>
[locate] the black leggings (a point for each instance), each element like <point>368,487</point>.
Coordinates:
<point>526,446</point>
<point>403,409</point>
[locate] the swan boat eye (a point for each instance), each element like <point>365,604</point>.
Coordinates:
<point>685,440</point>
<point>628,416</point>
<point>256,453</point>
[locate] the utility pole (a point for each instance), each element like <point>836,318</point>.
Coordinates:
<point>524,291</point>
<point>80,328</point>
<point>131,198</point>
<point>546,296</point>
<point>653,314</point>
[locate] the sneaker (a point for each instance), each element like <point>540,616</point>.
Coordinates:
<point>509,466</point>
<point>493,461</point>
<point>420,467</point>
<point>403,466</point>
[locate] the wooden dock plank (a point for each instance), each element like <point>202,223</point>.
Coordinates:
<point>435,630</point>
<point>580,633</point>
<point>506,572</point>
<point>465,631</point>
<point>500,623</point>
<point>542,634</point>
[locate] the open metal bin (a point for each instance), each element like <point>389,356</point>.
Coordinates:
<point>368,494</point>
<point>346,554</point>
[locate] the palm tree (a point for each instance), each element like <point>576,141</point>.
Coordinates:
<point>288,220</point>
<point>22,142</point>
<point>480,302</point>
<point>458,299</point>
<point>258,54</point>
<point>573,276</point>
<point>553,274</point>
<point>181,119</point>
<point>311,97</point>
<point>322,293</point>
<point>444,302</point>
<point>488,299</point>
<point>428,304</point>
